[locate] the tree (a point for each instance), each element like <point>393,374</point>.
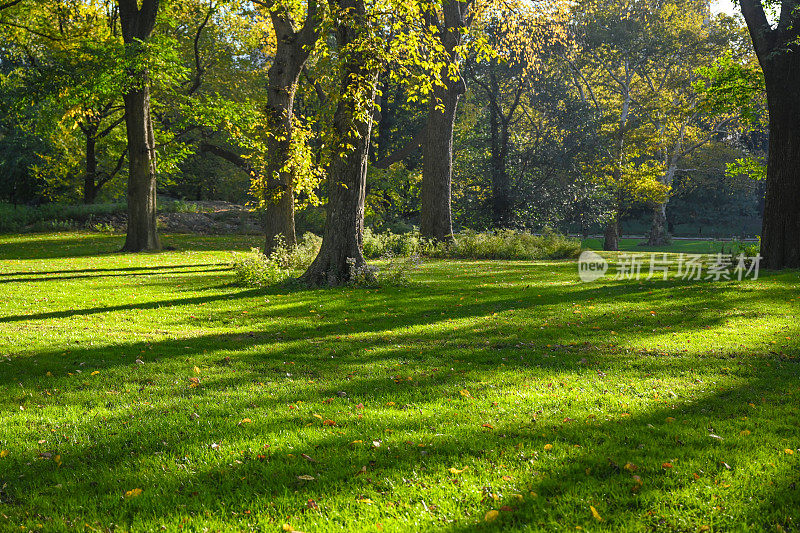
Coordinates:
<point>291,54</point>
<point>341,255</point>
<point>778,50</point>
<point>437,148</point>
<point>137,26</point>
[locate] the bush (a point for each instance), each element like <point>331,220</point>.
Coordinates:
<point>504,244</point>
<point>254,269</point>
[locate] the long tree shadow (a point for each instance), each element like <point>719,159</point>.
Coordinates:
<point>246,469</point>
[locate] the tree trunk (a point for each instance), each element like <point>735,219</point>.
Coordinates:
<point>142,222</point>
<point>659,236</point>
<point>341,255</point>
<point>137,18</point>
<point>291,54</point>
<point>612,233</point>
<point>279,191</point>
<point>90,178</point>
<point>436,220</point>
<point>780,234</point>
<point>501,202</point>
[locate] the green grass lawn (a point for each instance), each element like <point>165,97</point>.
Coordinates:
<point>147,393</point>
<point>677,246</point>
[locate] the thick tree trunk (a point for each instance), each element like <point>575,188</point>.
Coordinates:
<point>279,191</point>
<point>612,233</point>
<point>658,235</point>
<point>341,255</point>
<point>780,234</point>
<point>436,221</point>
<point>137,18</point>
<point>90,178</point>
<point>142,223</point>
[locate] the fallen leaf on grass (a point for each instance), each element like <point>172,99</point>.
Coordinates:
<point>787,451</point>
<point>290,529</point>
<point>456,470</point>
<point>245,421</point>
<point>465,393</point>
<point>4,453</point>
<point>133,493</point>
<point>57,460</point>
<point>491,516</point>
<point>306,477</point>
<point>595,514</point>
<point>630,467</point>
<point>196,370</point>
<point>328,423</point>
<point>94,373</point>
<point>744,432</point>
<point>548,447</point>
<point>487,426</point>
<point>666,465</point>
<point>307,458</point>
<point>365,500</point>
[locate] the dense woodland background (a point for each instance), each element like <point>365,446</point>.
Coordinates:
<point>642,117</point>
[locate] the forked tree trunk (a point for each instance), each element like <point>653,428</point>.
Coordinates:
<point>341,254</point>
<point>291,54</point>
<point>436,221</point>
<point>780,234</point>
<point>142,222</point>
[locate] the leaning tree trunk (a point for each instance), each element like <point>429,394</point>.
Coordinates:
<point>436,221</point>
<point>780,234</point>
<point>142,223</point>
<point>341,255</point>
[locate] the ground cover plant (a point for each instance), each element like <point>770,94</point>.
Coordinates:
<point>150,392</point>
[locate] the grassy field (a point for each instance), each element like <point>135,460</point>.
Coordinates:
<point>147,393</point>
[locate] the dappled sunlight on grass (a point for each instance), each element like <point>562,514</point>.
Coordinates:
<point>481,386</point>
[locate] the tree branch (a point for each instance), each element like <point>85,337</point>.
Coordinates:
<point>408,149</point>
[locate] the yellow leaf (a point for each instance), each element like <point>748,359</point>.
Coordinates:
<point>548,447</point>
<point>365,500</point>
<point>788,451</point>
<point>630,467</point>
<point>465,393</point>
<point>196,370</point>
<point>595,514</point>
<point>306,477</point>
<point>357,442</point>
<point>670,420</point>
<point>456,470</point>
<point>491,516</point>
<point>318,416</point>
<point>133,493</point>
<point>57,460</point>
<point>744,432</point>
<point>245,421</point>
<point>4,453</point>
<point>95,373</point>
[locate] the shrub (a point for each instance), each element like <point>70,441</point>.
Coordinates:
<point>254,269</point>
<point>504,244</point>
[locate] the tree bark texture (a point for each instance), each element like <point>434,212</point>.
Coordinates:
<point>341,254</point>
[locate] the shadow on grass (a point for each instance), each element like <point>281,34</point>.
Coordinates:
<point>240,483</point>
